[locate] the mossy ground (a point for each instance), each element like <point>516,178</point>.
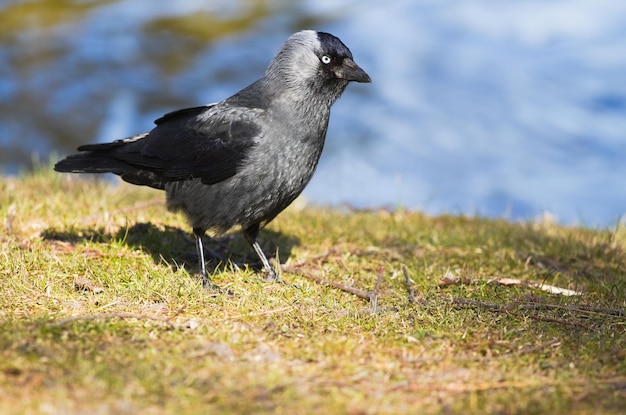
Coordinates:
<point>142,336</point>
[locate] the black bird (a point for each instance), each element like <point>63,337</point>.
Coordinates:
<point>241,161</point>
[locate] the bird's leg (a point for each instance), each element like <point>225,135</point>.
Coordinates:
<point>206,280</point>
<point>250,233</point>
<point>198,233</point>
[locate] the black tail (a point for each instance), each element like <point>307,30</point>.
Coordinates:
<point>91,162</point>
<point>98,158</point>
<point>102,158</point>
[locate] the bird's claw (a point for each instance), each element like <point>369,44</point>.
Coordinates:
<point>209,285</point>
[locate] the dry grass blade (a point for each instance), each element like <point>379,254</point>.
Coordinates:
<point>109,317</point>
<point>544,287</point>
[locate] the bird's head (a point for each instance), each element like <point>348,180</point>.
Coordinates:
<point>311,62</point>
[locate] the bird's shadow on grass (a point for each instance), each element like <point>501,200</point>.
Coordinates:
<point>177,248</point>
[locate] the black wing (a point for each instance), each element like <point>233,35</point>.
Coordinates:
<point>206,142</point>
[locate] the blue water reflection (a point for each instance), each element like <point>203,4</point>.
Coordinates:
<point>503,109</point>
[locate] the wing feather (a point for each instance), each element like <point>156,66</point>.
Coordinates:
<point>207,142</point>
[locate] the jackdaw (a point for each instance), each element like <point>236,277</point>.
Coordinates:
<point>241,161</point>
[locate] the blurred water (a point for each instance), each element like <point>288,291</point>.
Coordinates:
<point>501,109</point>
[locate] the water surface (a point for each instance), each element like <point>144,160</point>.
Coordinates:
<point>500,109</point>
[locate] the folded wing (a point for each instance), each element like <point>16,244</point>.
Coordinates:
<point>201,142</point>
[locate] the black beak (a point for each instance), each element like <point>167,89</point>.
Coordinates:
<point>350,71</point>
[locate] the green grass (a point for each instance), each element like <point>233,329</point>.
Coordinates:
<point>153,341</point>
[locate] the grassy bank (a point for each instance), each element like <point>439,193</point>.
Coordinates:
<point>101,311</point>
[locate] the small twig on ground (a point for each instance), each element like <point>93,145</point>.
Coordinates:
<point>379,281</point>
<point>373,295</point>
<point>532,284</point>
<point>555,320</point>
<point>508,310</point>
<point>345,288</point>
<point>366,295</point>
<point>409,285</point>
<point>618,312</point>
<point>575,308</point>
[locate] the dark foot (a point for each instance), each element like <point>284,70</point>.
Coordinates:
<point>209,285</point>
<point>270,275</point>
